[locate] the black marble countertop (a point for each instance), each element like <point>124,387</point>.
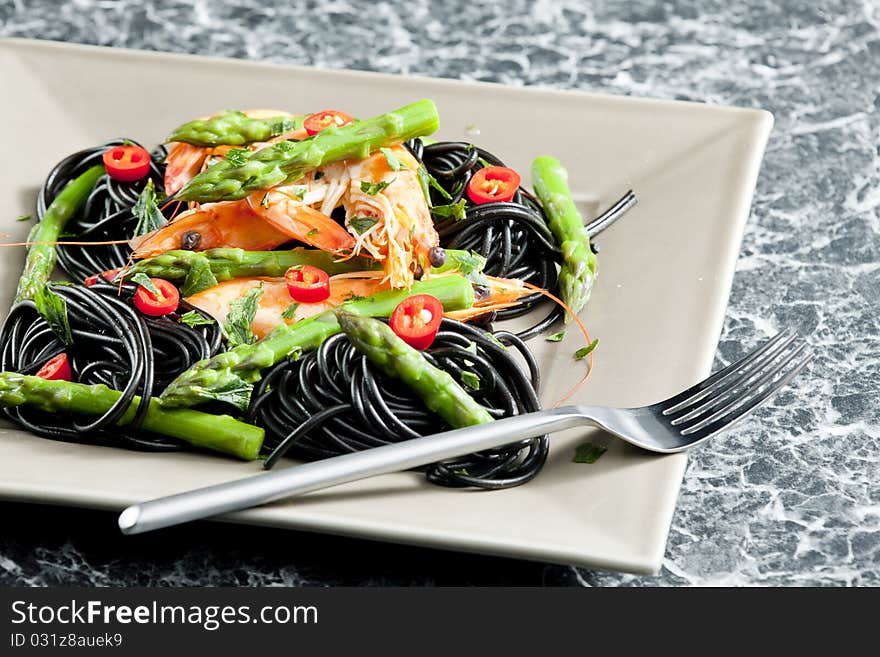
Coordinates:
<point>791,496</point>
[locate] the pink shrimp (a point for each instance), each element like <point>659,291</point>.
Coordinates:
<point>275,299</point>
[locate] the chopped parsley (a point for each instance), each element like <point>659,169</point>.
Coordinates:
<point>237,156</point>
<point>393,161</point>
<point>470,379</point>
<point>144,281</point>
<point>193,318</point>
<point>290,311</point>
<point>264,202</point>
<point>556,337</point>
<point>147,211</point>
<point>313,232</point>
<point>454,210</point>
<point>374,188</point>
<point>583,352</point>
<point>362,224</point>
<point>237,328</point>
<point>24,217</point>
<point>588,453</point>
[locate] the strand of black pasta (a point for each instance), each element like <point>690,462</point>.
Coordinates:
<point>332,401</point>
<point>106,215</point>
<point>113,345</point>
<point>513,236</point>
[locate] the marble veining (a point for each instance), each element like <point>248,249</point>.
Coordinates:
<point>791,497</point>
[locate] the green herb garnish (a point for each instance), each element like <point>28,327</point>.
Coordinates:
<point>588,453</point>
<point>199,277</point>
<point>298,191</point>
<point>193,318</point>
<point>24,217</point>
<point>290,311</point>
<point>466,263</point>
<point>454,210</point>
<point>471,380</point>
<point>393,161</point>
<point>583,352</point>
<point>362,224</point>
<point>53,309</point>
<point>318,175</point>
<point>237,328</point>
<point>144,281</point>
<point>264,202</point>
<point>234,390</point>
<point>313,232</point>
<point>556,337</point>
<point>374,188</point>
<point>146,210</point>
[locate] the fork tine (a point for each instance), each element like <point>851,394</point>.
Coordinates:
<point>743,383</point>
<point>697,392</point>
<point>717,423</point>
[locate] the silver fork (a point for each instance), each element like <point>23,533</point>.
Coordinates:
<point>672,425</point>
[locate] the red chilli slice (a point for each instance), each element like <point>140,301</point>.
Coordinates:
<point>127,163</point>
<point>56,369</point>
<point>307,284</point>
<point>155,306</point>
<point>325,119</point>
<point>493,184</point>
<point>417,319</point>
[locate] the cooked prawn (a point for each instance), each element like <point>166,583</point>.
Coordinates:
<point>228,223</point>
<point>502,293</point>
<point>276,299</point>
<point>403,234</point>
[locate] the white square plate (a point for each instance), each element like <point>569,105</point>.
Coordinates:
<point>665,274</point>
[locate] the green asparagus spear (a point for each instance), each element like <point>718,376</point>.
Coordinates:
<point>220,433</point>
<point>578,260</point>
<point>41,256</point>
<point>233,128</point>
<point>436,387</point>
<point>227,263</point>
<point>229,376</point>
<point>288,161</point>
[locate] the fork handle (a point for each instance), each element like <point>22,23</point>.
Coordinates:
<point>301,479</point>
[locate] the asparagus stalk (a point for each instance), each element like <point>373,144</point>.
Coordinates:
<point>220,433</point>
<point>229,375</point>
<point>436,387</point>
<point>227,263</point>
<point>41,256</point>
<point>233,128</point>
<point>578,271</point>
<point>288,161</point>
